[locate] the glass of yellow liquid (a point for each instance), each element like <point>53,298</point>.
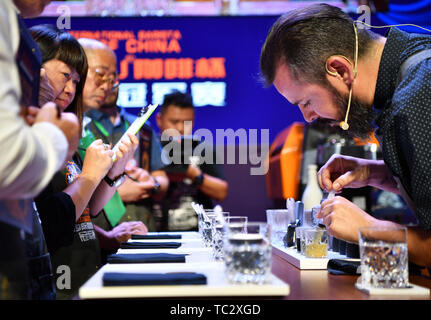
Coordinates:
<point>316,243</point>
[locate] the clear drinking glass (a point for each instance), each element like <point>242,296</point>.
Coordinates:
<point>279,220</point>
<point>300,238</point>
<point>314,211</point>
<point>236,223</point>
<point>207,222</point>
<point>200,215</point>
<point>247,252</point>
<point>384,257</point>
<point>218,232</point>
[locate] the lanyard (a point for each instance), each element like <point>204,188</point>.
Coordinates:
<point>101,128</point>
<point>104,131</point>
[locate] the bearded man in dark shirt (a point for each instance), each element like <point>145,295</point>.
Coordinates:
<point>340,73</point>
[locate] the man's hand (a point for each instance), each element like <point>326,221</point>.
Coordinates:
<point>349,172</point>
<point>66,121</point>
<point>343,218</point>
<point>124,231</point>
<point>137,174</point>
<point>193,171</point>
<point>133,191</point>
<point>46,92</point>
<point>344,172</point>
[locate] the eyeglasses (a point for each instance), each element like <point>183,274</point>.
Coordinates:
<point>101,77</point>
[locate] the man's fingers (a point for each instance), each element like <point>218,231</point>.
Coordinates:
<point>327,221</point>
<point>326,208</point>
<point>135,224</point>
<point>319,179</point>
<point>326,182</point>
<point>343,180</point>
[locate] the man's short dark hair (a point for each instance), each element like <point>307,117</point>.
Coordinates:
<point>305,38</point>
<point>178,99</point>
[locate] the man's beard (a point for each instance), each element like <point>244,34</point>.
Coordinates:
<point>360,119</point>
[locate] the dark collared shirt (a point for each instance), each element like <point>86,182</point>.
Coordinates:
<point>404,121</point>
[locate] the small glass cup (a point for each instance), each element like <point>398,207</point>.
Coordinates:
<point>199,213</point>
<point>300,238</point>
<point>316,243</point>
<point>217,234</point>
<point>207,223</point>
<point>314,211</point>
<point>384,257</point>
<point>307,218</point>
<point>200,223</point>
<point>236,223</point>
<point>247,253</point>
<point>279,220</point>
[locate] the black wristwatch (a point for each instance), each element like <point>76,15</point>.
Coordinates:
<point>198,180</point>
<point>116,182</point>
<point>156,187</point>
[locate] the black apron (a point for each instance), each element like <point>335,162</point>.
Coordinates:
<point>39,263</point>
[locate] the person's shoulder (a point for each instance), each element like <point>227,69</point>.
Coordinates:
<point>410,102</point>
<point>416,42</point>
<point>8,7</point>
<point>9,31</point>
<point>413,90</point>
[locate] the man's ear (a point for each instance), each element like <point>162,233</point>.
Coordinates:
<point>159,120</point>
<point>340,66</point>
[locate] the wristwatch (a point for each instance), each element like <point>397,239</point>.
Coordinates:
<point>156,187</point>
<point>198,180</point>
<point>118,181</point>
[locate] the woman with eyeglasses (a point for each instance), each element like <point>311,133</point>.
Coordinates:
<point>80,191</point>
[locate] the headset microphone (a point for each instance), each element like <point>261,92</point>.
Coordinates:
<point>343,124</point>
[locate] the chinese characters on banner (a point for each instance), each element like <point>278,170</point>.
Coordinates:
<point>147,68</point>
